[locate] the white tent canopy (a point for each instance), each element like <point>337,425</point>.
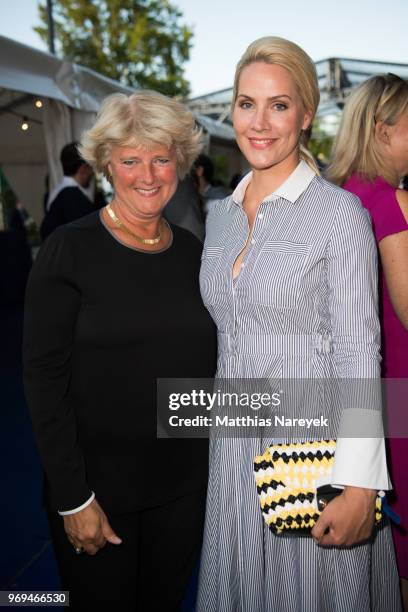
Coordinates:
<point>70,95</point>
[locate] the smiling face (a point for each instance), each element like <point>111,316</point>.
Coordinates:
<point>143,180</point>
<point>268,117</point>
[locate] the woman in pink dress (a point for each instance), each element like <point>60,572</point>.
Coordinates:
<point>370,156</point>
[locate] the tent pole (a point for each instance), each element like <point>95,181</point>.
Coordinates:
<point>51,45</point>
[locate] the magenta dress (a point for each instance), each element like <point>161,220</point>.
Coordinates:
<point>380,200</point>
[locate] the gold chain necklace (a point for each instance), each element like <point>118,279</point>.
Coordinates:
<point>119,223</point>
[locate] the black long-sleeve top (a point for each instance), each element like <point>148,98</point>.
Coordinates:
<point>103,321</point>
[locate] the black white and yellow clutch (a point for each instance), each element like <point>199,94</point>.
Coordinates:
<point>292,481</point>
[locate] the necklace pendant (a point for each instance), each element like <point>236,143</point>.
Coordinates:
<point>151,240</point>
<point>118,222</point>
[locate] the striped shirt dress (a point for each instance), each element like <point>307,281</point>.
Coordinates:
<point>304,305</point>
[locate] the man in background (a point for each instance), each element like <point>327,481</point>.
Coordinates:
<point>70,199</point>
<point>204,171</point>
<point>184,208</point>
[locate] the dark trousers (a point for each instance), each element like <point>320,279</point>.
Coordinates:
<point>149,571</point>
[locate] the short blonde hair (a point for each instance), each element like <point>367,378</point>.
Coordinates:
<point>276,50</point>
<point>142,119</point>
<point>381,98</point>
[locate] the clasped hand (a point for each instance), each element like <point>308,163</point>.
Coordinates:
<point>90,529</point>
<point>348,519</point>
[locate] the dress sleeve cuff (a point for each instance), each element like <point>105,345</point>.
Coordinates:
<point>361,462</point>
<point>75,510</point>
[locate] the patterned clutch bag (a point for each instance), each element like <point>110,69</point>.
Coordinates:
<point>287,480</point>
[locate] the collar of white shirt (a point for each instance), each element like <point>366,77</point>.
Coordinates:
<point>291,189</point>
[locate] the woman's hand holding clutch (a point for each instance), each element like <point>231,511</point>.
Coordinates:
<point>89,529</point>
<point>348,519</point>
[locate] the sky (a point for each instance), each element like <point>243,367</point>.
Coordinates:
<point>365,29</point>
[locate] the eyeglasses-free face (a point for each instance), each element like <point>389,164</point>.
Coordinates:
<point>268,117</point>
<point>143,179</point>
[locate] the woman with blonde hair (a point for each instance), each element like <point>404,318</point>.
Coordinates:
<point>289,276</point>
<point>113,303</point>
<point>370,157</point>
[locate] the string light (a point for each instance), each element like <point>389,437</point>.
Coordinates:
<point>38,103</point>
<point>24,125</point>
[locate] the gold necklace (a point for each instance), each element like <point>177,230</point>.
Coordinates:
<point>119,223</point>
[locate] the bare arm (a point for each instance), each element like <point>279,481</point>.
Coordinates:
<point>394,259</point>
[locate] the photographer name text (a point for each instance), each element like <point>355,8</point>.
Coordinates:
<point>247,421</point>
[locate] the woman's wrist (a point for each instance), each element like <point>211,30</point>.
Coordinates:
<point>367,494</point>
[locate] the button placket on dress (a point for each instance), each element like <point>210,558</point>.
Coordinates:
<point>234,281</point>
<point>254,243</point>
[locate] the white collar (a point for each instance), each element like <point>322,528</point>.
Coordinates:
<point>66,181</point>
<point>291,189</point>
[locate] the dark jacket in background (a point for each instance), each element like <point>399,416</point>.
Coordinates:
<point>69,205</point>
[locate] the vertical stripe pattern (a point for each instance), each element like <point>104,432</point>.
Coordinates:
<point>303,306</point>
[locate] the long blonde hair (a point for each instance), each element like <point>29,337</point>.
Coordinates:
<point>382,98</point>
<point>276,50</point>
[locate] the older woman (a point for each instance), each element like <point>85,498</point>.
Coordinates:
<point>370,157</point>
<point>113,304</point>
<point>289,276</point>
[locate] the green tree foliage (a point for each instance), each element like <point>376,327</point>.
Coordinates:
<point>137,42</point>
<point>320,143</point>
